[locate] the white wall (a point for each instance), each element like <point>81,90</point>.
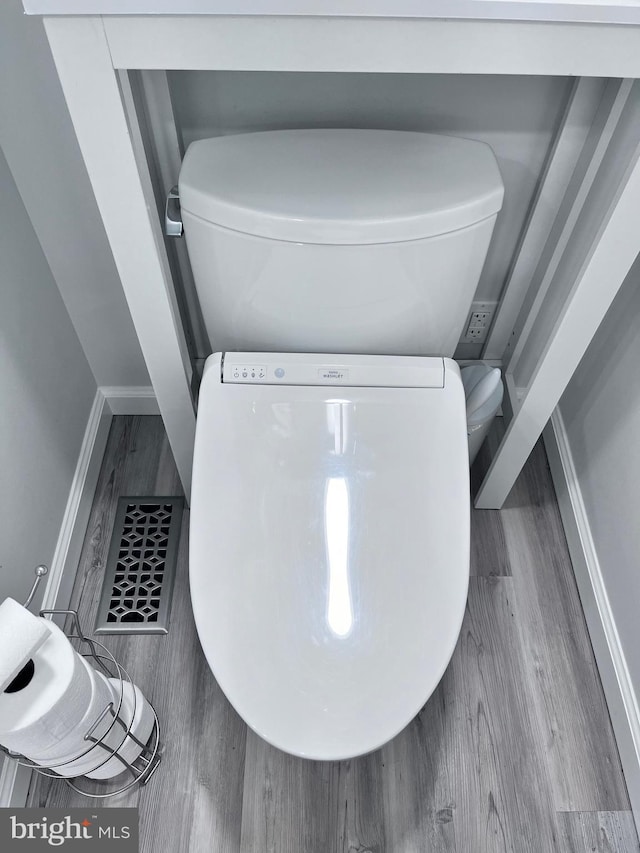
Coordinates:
<point>40,146</point>
<point>516,116</point>
<point>601,412</point>
<point>47,390</point>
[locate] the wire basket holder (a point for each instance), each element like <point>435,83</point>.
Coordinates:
<point>145,765</point>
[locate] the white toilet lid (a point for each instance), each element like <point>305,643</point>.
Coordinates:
<point>329,551</point>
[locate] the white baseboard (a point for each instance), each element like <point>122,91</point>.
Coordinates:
<point>8,774</point>
<point>616,681</point>
<point>131,400</point>
<point>62,571</point>
<point>76,515</point>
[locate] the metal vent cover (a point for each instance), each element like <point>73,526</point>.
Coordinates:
<point>138,579</point>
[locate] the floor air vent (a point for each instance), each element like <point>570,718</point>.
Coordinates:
<point>138,579</point>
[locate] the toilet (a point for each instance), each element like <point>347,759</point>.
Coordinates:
<point>329,531</point>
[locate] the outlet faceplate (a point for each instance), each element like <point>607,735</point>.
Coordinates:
<point>479,322</point>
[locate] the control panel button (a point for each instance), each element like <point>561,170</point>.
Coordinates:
<point>246,373</point>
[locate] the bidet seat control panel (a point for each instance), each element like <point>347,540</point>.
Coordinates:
<point>248,373</point>
<point>255,368</point>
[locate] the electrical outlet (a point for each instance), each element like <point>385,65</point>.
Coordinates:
<point>475,336</point>
<point>479,322</point>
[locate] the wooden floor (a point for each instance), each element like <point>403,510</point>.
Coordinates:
<point>513,752</point>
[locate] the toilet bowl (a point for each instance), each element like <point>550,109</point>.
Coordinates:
<point>329,541</point>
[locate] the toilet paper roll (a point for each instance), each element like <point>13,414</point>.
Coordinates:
<point>137,713</point>
<point>74,747</point>
<point>96,763</point>
<point>21,635</point>
<point>50,707</point>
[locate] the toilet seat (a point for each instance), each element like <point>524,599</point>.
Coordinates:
<point>329,542</point>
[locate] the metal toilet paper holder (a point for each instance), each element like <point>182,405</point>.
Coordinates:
<point>145,765</point>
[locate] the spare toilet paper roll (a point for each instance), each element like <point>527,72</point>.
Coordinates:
<point>52,704</point>
<point>75,748</point>
<point>21,635</point>
<point>137,713</point>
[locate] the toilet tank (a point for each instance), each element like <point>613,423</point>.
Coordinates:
<point>332,240</point>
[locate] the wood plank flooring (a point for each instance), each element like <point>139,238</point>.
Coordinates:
<point>581,751</point>
<point>600,832</point>
<point>513,752</point>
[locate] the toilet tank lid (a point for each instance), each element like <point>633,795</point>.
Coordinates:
<point>341,186</point>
